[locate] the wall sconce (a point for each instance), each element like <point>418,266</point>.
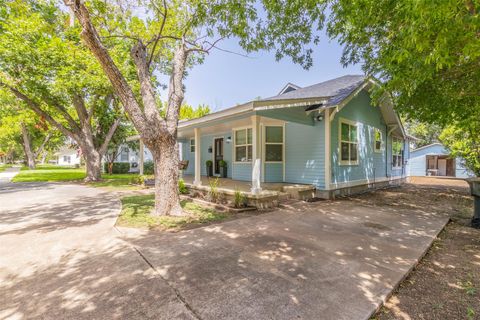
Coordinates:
<point>229,139</point>
<point>210,149</point>
<point>319,118</point>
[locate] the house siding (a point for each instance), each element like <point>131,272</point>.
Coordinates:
<point>371,165</point>
<point>305,154</point>
<point>273,172</point>
<point>242,171</point>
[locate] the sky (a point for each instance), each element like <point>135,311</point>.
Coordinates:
<point>225,79</point>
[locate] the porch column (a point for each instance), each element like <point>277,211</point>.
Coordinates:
<point>256,155</point>
<point>141,156</point>
<point>198,178</point>
<point>328,168</point>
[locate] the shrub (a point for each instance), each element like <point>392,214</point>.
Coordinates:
<point>148,167</point>
<point>118,167</point>
<point>209,163</point>
<point>239,199</point>
<point>222,163</point>
<point>181,187</point>
<point>213,194</point>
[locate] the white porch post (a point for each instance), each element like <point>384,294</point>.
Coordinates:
<point>142,156</point>
<point>328,168</point>
<point>198,178</point>
<point>256,156</point>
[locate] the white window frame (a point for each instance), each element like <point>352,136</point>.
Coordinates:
<point>357,142</point>
<point>235,145</point>
<point>265,143</point>
<point>375,149</point>
<point>192,144</point>
<point>402,152</point>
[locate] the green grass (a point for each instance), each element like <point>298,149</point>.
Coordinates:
<point>136,213</point>
<point>51,173</point>
<point>4,166</point>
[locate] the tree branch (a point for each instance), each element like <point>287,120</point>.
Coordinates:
<point>35,107</point>
<point>175,90</point>
<point>42,146</point>
<point>108,137</point>
<point>91,38</point>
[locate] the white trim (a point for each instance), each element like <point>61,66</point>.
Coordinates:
<point>275,143</point>
<point>382,145</point>
<point>351,123</point>
<point>233,111</point>
<point>328,152</point>
<point>428,146</point>
<point>289,85</point>
<point>198,147</point>
<point>354,183</point>
<point>234,130</point>
<point>194,145</point>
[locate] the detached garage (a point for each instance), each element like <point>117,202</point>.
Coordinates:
<point>435,160</point>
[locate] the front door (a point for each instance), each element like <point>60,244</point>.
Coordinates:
<point>218,154</point>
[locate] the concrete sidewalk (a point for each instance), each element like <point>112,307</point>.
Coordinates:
<point>61,257</point>
<point>7,175</point>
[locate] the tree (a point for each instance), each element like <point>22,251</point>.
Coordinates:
<point>45,66</point>
<point>427,53</point>
<point>424,132</point>
<point>171,35</point>
<point>463,140</point>
<point>22,129</point>
<point>188,112</point>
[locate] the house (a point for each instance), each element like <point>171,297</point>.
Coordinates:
<point>133,156</point>
<point>328,135</point>
<point>68,156</point>
<point>435,160</point>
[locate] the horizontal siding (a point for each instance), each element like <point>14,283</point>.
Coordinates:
<point>305,154</point>
<point>273,172</point>
<point>417,166</point>
<point>242,171</point>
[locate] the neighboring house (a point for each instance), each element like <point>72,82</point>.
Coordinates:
<point>68,157</point>
<point>328,135</point>
<point>127,154</point>
<point>435,160</point>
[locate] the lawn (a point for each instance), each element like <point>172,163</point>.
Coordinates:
<point>51,173</point>
<point>4,166</point>
<point>136,213</point>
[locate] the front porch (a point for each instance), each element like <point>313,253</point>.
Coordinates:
<point>268,197</point>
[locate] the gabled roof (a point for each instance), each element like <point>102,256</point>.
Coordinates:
<point>288,88</point>
<point>334,91</point>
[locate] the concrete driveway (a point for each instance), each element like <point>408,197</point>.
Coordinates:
<point>62,258</point>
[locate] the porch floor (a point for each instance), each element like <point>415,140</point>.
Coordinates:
<point>227,183</point>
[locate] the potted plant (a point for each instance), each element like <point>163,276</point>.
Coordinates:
<point>223,168</point>
<point>209,164</point>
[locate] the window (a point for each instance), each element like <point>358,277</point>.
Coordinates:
<point>243,145</point>
<point>124,155</point>
<point>273,144</point>
<point>192,145</point>
<point>348,143</point>
<point>66,159</point>
<point>378,143</point>
<point>397,152</point>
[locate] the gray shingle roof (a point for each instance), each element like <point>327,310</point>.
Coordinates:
<point>335,90</point>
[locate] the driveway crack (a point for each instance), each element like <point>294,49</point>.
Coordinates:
<point>178,295</point>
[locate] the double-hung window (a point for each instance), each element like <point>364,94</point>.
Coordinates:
<point>348,143</point>
<point>397,153</point>
<point>274,144</point>
<point>124,155</point>
<point>192,145</point>
<point>243,145</point>
<point>378,142</point>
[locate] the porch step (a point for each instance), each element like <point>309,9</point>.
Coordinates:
<point>283,196</point>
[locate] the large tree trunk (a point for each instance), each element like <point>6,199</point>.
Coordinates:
<point>93,164</point>
<point>165,157</point>
<point>27,147</point>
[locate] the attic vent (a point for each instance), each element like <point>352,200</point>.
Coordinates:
<point>289,87</point>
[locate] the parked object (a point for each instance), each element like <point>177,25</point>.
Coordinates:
<point>475,192</point>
